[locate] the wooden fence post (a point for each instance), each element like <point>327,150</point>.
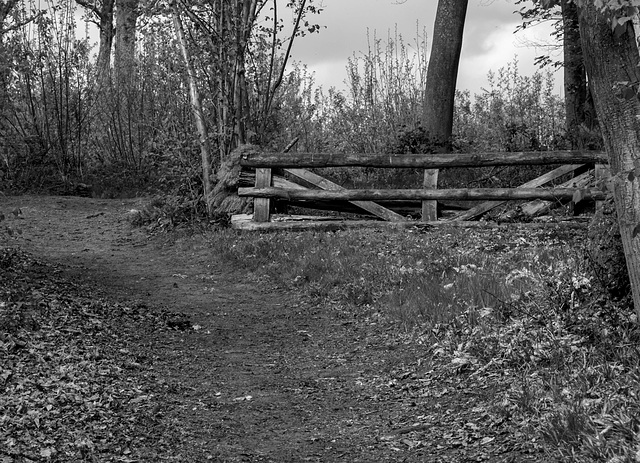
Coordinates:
<point>430,208</point>
<point>261,206</point>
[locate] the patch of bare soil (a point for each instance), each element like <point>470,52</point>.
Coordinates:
<point>252,373</point>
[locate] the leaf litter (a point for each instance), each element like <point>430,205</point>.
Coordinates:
<point>71,385</point>
<point>346,384</point>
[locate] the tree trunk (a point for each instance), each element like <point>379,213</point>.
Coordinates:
<point>197,113</point>
<point>222,107</point>
<point>575,77</point>
<point>442,75</point>
<point>124,59</point>
<point>244,15</point>
<point>575,89</point>
<point>126,115</point>
<point>611,58</point>
<point>107,32</point>
<point>104,14</point>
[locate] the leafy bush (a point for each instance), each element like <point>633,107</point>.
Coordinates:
<point>164,212</point>
<point>515,113</point>
<point>118,180</point>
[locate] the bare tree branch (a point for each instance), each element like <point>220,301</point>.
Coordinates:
<point>278,82</point>
<point>18,25</point>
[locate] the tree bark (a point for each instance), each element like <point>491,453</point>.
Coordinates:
<point>442,74</point>
<point>107,33</point>
<point>196,107</point>
<point>245,16</point>
<point>125,117</point>
<point>104,14</point>
<point>611,58</point>
<point>124,59</point>
<point>575,77</point>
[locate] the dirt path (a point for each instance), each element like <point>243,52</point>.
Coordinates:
<point>266,376</point>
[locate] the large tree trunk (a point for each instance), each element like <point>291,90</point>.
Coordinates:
<point>124,59</point>
<point>611,59</point>
<point>575,89</point>
<point>125,116</point>
<point>107,32</point>
<point>104,15</point>
<point>442,75</point>
<point>575,77</point>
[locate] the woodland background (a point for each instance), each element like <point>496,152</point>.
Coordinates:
<point>540,318</point>
<point>116,116</point>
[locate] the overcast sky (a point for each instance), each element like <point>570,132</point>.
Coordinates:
<point>489,39</point>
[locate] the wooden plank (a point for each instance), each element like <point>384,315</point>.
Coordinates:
<point>326,184</point>
<point>430,208</point>
<point>244,222</point>
<point>536,207</point>
<point>480,209</point>
<point>552,194</point>
<point>249,179</point>
<point>280,182</point>
<point>261,205</point>
<point>421,161</point>
<point>579,208</point>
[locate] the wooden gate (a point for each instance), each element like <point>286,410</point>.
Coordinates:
<point>295,165</point>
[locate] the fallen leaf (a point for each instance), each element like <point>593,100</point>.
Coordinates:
<point>486,440</point>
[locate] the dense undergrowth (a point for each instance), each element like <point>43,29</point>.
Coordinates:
<point>518,306</point>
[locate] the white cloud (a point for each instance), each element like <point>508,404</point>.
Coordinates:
<point>489,41</point>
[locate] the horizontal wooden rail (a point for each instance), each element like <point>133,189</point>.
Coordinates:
<point>245,222</point>
<point>558,194</point>
<point>422,161</point>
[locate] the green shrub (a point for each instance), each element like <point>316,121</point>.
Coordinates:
<point>164,212</point>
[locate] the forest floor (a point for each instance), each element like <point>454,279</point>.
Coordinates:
<point>150,348</point>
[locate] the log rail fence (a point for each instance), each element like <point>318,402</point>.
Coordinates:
<point>295,166</point>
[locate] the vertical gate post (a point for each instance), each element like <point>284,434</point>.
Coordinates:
<point>261,205</point>
<point>430,207</point>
